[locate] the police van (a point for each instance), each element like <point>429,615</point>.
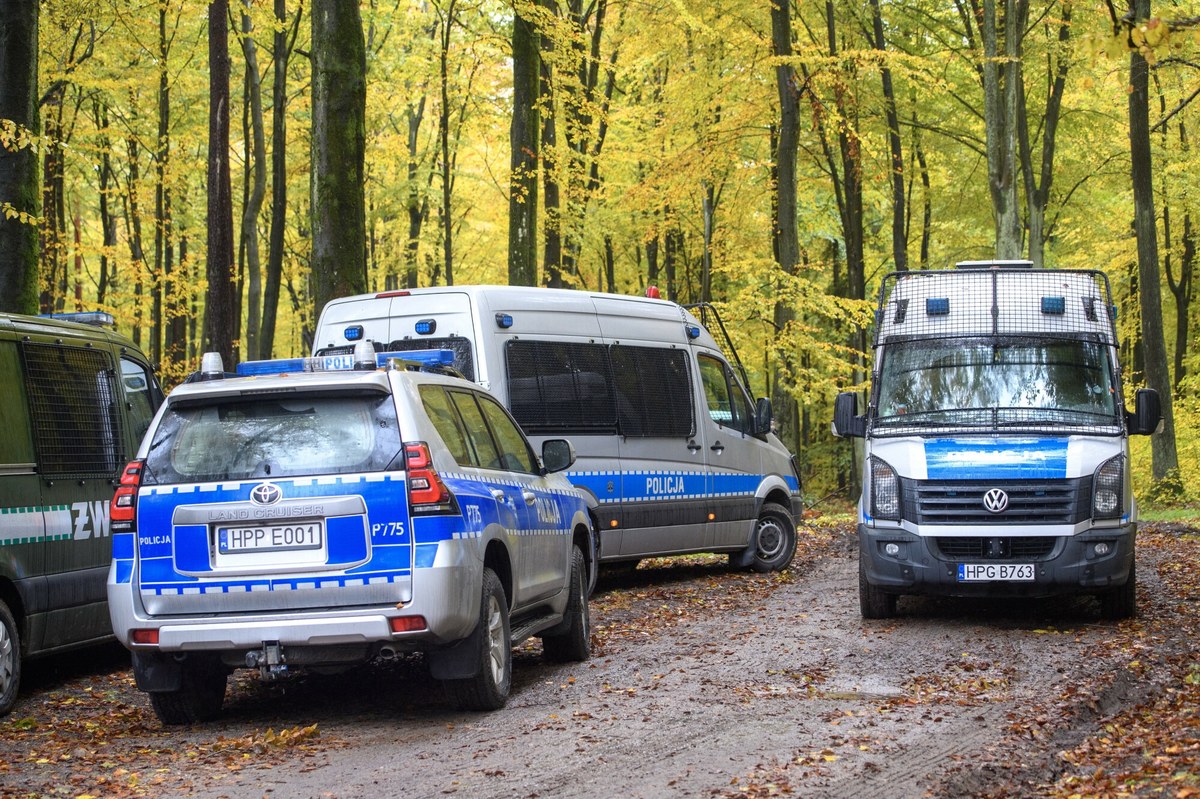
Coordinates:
<point>75,399</point>
<point>321,513</point>
<point>996,458</point>
<point>674,457</point>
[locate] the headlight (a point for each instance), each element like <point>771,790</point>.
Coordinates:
<point>1108,489</point>
<point>885,491</point>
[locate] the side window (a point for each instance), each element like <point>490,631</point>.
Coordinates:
<point>487,456</point>
<point>728,404</point>
<point>514,450</point>
<point>559,386</point>
<point>448,424</point>
<point>654,391</point>
<point>73,407</point>
<point>140,396</point>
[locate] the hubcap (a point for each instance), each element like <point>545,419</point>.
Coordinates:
<point>770,539</point>
<point>495,633</point>
<point>7,659</point>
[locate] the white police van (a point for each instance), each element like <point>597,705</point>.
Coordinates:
<point>996,458</point>
<point>288,518</point>
<point>674,457</point>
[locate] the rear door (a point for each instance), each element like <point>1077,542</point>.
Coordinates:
<point>77,423</point>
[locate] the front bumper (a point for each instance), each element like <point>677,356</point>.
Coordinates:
<point>1072,566</point>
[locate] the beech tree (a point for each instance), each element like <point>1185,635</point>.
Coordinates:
<point>19,123</point>
<point>219,307</point>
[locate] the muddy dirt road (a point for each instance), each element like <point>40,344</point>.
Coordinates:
<point>704,682</point>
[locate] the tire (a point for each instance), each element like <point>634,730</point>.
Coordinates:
<point>199,697</point>
<point>488,689</point>
<point>10,660</point>
<point>874,602</point>
<point>571,641</point>
<point>1121,603</point>
<point>774,539</point>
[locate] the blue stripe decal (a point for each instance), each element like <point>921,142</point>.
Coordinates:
<point>650,486</point>
<point>996,459</point>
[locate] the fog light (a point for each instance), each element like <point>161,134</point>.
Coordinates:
<point>892,549</point>
<point>1102,548</point>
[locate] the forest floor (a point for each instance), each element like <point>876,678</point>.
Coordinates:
<point>703,682</point>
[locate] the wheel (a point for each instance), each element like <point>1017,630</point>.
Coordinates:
<point>874,602</point>
<point>488,689</point>
<point>1121,603</point>
<point>199,697</point>
<point>571,641</point>
<point>10,660</point>
<point>774,539</point>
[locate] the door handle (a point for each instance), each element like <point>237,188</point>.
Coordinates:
<point>717,447</point>
<point>693,446</point>
<point>528,497</point>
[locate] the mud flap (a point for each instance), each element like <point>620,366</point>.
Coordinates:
<point>743,559</point>
<point>155,673</point>
<point>458,662</point>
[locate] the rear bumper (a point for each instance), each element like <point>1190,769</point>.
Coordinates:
<point>1071,567</point>
<point>447,597</point>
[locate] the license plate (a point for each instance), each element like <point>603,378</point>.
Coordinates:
<point>269,538</point>
<point>990,572</point>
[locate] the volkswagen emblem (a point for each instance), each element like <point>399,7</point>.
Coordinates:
<point>995,500</point>
<point>268,494</point>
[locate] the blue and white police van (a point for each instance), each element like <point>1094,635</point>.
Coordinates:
<point>674,455</point>
<point>996,456</point>
<point>323,512</point>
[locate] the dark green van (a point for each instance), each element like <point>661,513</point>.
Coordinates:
<point>75,400</point>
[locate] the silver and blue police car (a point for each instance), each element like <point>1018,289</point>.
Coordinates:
<point>323,512</point>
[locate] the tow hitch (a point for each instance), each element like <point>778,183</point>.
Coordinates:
<point>270,660</point>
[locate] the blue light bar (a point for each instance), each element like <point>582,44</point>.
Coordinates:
<point>937,306</point>
<point>425,327</point>
<point>321,363</point>
<point>420,357</point>
<point>94,318</point>
<point>1054,305</point>
<point>353,333</point>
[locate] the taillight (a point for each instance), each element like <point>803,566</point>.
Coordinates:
<point>123,508</point>
<point>426,491</point>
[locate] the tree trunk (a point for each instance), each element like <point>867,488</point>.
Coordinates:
<point>552,251</point>
<point>1037,191</point>
<point>219,319</point>
<point>444,141</point>
<point>339,148</point>
<point>165,282</point>
<point>899,234</point>
<point>282,51</point>
<point>18,162</point>
<point>1165,461</point>
<point>418,202</point>
<point>1001,99</point>
<point>108,223</point>
<point>523,183</point>
<point>258,154</point>
<point>133,232</point>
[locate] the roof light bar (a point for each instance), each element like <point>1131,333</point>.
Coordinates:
<point>94,318</point>
<point>347,362</point>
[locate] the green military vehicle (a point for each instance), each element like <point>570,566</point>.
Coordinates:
<point>75,400</point>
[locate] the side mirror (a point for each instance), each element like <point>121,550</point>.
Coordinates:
<point>762,417</point>
<point>1147,414</point>
<point>846,421</point>
<point>557,454</point>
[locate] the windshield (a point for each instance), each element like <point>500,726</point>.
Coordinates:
<point>242,438</point>
<point>985,382</point>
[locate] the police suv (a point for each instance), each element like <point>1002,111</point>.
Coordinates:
<point>323,512</point>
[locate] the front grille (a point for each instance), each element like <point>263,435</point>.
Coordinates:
<point>1030,502</point>
<point>1001,548</point>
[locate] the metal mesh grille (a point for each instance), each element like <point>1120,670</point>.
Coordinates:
<point>560,387</point>
<point>653,391</point>
<point>72,402</point>
<point>1015,548</point>
<point>995,349</point>
<point>1043,502</point>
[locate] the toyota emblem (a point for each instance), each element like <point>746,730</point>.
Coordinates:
<point>268,494</point>
<point>995,500</point>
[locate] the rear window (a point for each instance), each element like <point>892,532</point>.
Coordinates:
<point>242,438</point>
